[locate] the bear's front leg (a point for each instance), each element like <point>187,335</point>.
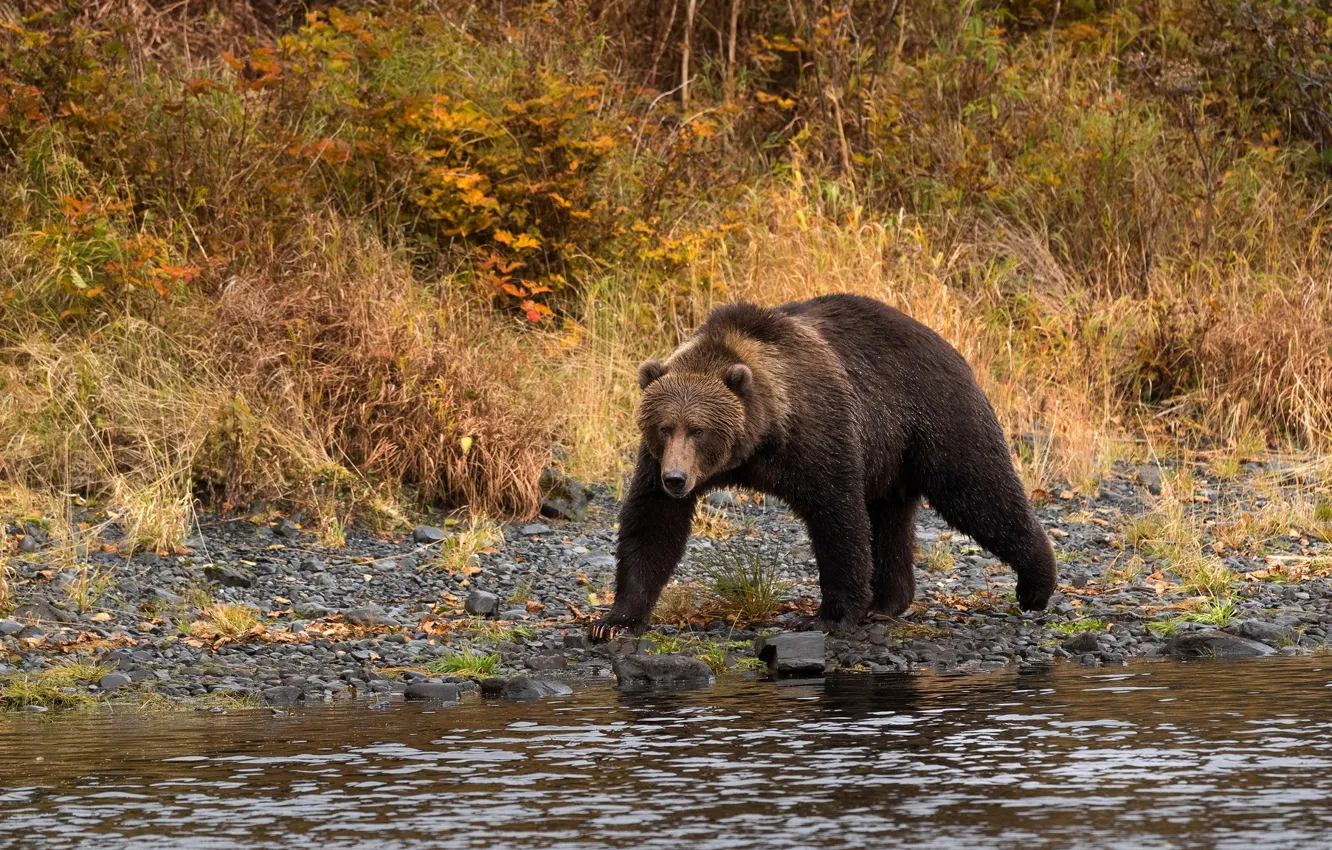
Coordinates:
<point>839,532</point>
<point>654,529</point>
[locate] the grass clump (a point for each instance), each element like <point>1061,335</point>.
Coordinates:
<point>939,558</point>
<point>225,621</point>
<point>469,664</point>
<point>741,587</point>
<point>87,586</point>
<point>1164,628</point>
<point>63,685</point>
<point>1086,624</point>
<point>462,549</point>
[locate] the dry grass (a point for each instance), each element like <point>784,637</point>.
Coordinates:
<point>679,603</point>
<point>712,523</point>
<point>225,621</point>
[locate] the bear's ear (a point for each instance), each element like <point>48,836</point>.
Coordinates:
<point>650,371</point>
<point>738,378</point>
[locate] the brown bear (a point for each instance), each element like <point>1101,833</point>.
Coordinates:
<point>848,411</point>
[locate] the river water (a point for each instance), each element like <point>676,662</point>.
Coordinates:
<point>1154,755</point>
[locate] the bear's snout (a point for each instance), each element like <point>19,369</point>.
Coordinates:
<point>675,482</point>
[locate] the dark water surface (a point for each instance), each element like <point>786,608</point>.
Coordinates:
<point>1213,755</point>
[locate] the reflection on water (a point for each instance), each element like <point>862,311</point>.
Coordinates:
<point>1150,756</point>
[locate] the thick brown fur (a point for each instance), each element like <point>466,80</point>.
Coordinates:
<point>847,410</point>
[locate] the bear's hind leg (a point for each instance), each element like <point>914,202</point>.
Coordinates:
<point>893,523</point>
<point>981,495</point>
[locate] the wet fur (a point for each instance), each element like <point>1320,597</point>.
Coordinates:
<point>852,412</point>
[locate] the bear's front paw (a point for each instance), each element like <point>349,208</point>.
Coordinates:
<point>1034,596</point>
<point>611,628</point>
<point>603,631</point>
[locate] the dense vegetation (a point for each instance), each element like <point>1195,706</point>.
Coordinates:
<point>355,255</point>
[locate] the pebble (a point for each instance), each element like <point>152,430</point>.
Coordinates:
<point>427,534</point>
<point>481,603</point>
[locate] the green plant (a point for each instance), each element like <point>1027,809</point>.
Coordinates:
<point>522,592</point>
<point>469,663</point>
<point>62,685</point>
<point>87,586</point>
<point>1215,611</point>
<point>1086,624</point>
<point>1164,628</point>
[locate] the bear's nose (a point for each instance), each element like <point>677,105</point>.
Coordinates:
<point>674,480</point>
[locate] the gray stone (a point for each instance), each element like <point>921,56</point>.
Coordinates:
<point>1081,642</point>
<point>427,534</point>
<point>111,681</point>
<point>1149,475</point>
<point>228,576</point>
<point>1268,633</point>
<point>636,672</point>
<point>561,496</point>
<point>10,627</point>
<point>1214,644</point>
<point>309,610</point>
<point>552,661</point>
<point>493,687</point>
<point>522,688</point>
<point>35,709</point>
<point>721,499</point>
<point>431,691</point>
<point>369,615</point>
<point>792,654</point>
<point>41,611</point>
<point>535,529</point>
<point>29,544</point>
<point>287,528</point>
<point>514,614</point>
<point>481,604</point>
<point>162,596</point>
<point>283,695</point>
<point>578,640</point>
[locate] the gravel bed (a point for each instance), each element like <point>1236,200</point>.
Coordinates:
<point>384,617</point>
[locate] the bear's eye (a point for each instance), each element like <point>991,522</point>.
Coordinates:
<point>696,432</point>
<point>665,431</point>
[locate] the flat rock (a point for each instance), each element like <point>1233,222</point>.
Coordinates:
<point>10,627</point>
<point>228,576</point>
<point>535,529</point>
<point>493,687</point>
<point>791,654</point>
<point>282,695</point>
<point>523,688</point>
<point>639,671</point>
<point>427,534</point>
<point>431,692</point>
<point>1214,644</point>
<point>481,604</point>
<point>1268,633</point>
<point>111,681</point>
<point>41,611</point>
<point>561,496</point>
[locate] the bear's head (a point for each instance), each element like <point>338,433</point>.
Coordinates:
<point>693,422</point>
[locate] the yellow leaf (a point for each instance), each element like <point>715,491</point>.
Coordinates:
<point>100,617</point>
<point>465,443</point>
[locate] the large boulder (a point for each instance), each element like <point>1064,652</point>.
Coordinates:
<point>1213,644</point>
<point>561,496</point>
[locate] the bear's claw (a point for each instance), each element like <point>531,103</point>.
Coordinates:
<point>602,632</point>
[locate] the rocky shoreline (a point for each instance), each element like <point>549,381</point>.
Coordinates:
<point>1155,562</point>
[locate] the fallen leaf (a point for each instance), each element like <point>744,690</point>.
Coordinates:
<point>100,617</point>
<point>533,606</point>
<point>281,601</point>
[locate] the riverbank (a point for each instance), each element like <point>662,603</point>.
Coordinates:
<point>1205,558</point>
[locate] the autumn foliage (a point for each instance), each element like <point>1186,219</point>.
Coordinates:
<point>387,248</point>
